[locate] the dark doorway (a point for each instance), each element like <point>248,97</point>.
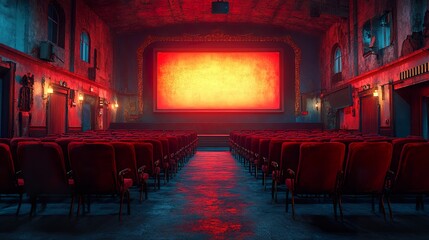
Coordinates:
<point>425,117</point>
<point>88,113</point>
<point>7,78</point>
<point>369,114</point>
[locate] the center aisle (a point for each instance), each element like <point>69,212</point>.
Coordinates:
<point>207,199</point>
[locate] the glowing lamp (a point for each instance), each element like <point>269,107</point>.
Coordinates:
<point>50,90</point>
<point>316,105</point>
<point>375,93</point>
<point>80,97</point>
<point>116,105</point>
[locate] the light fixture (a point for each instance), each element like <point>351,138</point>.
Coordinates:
<point>375,93</point>
<point>50,90</point>
<point>116,105</point>
<point>80,97</point>
<point>316,105</point>
<point>220,7</point>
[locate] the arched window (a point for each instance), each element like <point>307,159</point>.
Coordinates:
<point>84,46</point>
<point>56,24</point>
<point>337,60</point>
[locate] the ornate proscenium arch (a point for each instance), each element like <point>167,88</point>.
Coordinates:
<point>219,37</point>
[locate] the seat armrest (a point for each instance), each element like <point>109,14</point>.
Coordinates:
<point>141,169</point>
<point>275,164</point>
<point>290,173</point>
<point>124,171</point>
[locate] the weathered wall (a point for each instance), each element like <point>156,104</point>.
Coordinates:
<point>101,39</point>
<point>25,23</point>
<point>380,70</point>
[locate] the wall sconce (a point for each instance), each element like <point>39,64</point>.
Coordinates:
<point>116,105</point>
<point>316,105</point>
<point>80,97</point>
<point>50,90</point>
<point>375,93</point>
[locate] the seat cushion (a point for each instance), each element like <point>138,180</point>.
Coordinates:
<point>128,182</point>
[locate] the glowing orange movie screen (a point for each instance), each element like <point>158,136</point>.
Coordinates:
<point>216,81</point>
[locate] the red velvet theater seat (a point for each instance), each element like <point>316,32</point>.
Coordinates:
<point>366,168</point>
<point>43,171</point>
<point>14,146</point>
<point>289,159</point>
<point>157,160</point>
<point>125,157</point>
<point>9,181</point>
<point>319,168</point>
<point>398,145</point>
<point>94,172</point>
<point>412,176</point>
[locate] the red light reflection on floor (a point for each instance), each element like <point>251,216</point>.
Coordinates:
<point>212,199</point>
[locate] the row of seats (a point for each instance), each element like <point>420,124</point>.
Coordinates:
<point>352,164</point>
<point>90,164</point>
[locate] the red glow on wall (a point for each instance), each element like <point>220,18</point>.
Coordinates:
<point>218,81</point>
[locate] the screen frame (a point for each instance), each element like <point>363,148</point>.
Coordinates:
<point>234,49</point>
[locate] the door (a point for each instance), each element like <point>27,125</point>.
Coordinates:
<point>425,117</point>
<point>57,113</point>
<point>7,78</point>
<point>369,114</point>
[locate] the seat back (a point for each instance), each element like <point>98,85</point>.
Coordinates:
<point>290,156</point>
<point>144,156</point>
<point>157,148</point>
<point>94,167</point>
<point>43,168</point>
<point>125,157</point>
<point>412,176</point>
<point>319,164</point>
<point>264,146</point>
<point>7,170</point>
<point>398,145</point>
<point>275,150</point>
<point>14,149</point>
<point>64,143</point>
<point>366,167</point>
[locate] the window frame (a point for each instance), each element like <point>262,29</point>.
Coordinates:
<point>337,60</point>
<point>85,46</point>
<point>56,24</point>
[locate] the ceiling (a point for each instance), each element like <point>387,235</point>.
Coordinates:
<point>308,16</point>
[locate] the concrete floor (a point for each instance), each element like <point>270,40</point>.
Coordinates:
<point>212,197</point>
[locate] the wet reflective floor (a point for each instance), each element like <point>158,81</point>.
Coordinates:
<point>212,197</point>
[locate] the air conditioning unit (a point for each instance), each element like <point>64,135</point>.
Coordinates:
<point>220,7</point>
<point>46,51</point>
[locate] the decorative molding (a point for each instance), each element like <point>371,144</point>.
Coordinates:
<point>38,131</point>
<point>218,37</point>
<point>74,129</point>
